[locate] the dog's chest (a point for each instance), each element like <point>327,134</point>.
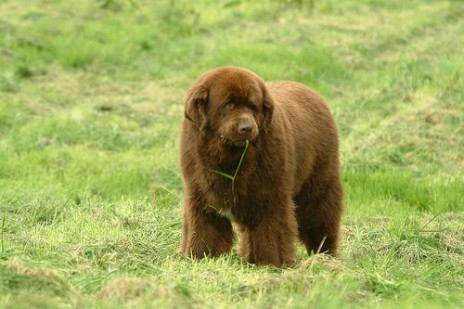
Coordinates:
<point>227,214</point>
<point>233,199</point>
<point>221,199</point>
<point>240,206</point>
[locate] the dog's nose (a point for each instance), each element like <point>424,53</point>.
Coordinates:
<point>244,127</point>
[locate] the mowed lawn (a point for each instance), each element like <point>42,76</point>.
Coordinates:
<point>91,100</point>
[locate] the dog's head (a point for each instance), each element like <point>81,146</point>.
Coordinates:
<point>232,103</point>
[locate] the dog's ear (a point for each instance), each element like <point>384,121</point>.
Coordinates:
<point>195,106</point>
<point>268,107</point>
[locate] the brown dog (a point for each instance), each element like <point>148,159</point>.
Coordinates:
<point>287,182</point>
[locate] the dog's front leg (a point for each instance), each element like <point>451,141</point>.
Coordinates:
<point>272,240</point>
<point>204,233</point>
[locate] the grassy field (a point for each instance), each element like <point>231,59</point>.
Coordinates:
<point>91,98</point>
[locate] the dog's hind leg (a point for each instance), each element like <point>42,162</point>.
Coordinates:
<point>319,210</point>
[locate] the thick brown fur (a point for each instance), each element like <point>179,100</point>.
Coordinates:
<point>288,186</point>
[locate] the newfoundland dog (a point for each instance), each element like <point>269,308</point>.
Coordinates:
<point>264,156</point>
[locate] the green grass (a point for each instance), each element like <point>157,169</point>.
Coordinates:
<point>91,100</point>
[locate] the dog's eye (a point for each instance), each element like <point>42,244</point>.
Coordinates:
<point>253,107</point>
<point>230,106</point>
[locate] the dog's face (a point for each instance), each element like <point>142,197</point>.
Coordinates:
<point>231,103</point>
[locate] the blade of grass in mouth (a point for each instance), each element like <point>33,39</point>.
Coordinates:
<point>228,176</point>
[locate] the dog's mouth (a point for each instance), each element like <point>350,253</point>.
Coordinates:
<point>239,144</point>
<point>232,143</point>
